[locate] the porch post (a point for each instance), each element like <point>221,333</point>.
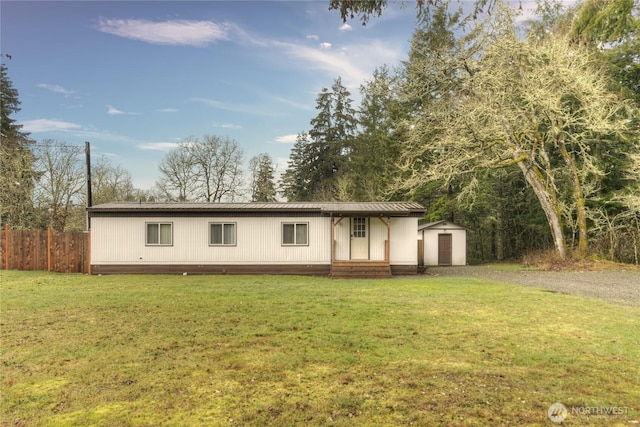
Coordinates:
<point>387,251</point>
<point>333,238</point>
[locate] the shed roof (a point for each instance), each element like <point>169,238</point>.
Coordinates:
<point>449,224</point>
<point>312,208</point>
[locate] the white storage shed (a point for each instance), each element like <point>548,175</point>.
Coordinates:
<point>444,243</point>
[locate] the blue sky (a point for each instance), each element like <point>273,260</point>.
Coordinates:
<point>135,78</point>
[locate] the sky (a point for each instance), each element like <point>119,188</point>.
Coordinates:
<point>134,78</point>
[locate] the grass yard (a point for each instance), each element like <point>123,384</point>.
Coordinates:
<point>269,350</point>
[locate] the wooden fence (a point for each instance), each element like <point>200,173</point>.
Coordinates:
<point>45,250</point>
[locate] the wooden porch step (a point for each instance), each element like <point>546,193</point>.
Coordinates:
<point>361,270</point>
<point>363,263</point>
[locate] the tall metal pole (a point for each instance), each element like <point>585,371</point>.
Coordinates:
<point>87,150</point>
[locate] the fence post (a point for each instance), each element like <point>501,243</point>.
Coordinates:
<point>49,249</point>
<point>88,252</point>
<point>6,246</point>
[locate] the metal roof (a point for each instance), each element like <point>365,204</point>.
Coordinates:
<point>337,208</point>
<point>445,222</point>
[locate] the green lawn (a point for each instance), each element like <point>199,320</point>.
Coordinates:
<point>256,350</point>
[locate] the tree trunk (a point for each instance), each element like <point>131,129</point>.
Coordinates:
<point>581,210</point>
<point>548,203</point>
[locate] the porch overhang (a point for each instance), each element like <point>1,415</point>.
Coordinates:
<point>373,209</point>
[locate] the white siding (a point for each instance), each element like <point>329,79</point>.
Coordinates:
<point>378,235</point>
<point>122,241</point>
<point>343,239</point>
<point>458,244</point>
<point>404,249</point>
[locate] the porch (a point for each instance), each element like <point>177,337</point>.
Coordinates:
<point>360,249</point>
<point>360,269</point>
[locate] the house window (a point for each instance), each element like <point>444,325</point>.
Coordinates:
<point>359,227</point>
<point>295,233</point>
<point>159,233</point>
<point>222,234</point>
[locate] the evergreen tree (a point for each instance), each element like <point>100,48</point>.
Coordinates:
<point>376,148</point>
<point>263,187</point>
<point>321,156</point>
<point>296,181</point>
<point>17,175</point>
<point>611,27</point>
<point>324,152</point>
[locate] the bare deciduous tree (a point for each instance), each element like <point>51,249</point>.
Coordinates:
<point>111,183</point>
<point>61,181</point>
<point>177,182</point>
<point>205,171</point>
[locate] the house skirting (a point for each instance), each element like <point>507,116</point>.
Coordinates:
<point>296,269</point>
<point>292,269</point>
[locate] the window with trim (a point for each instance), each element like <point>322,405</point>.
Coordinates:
<point>159,233</point>
<point>359,227</point>
<point>222,234</point>
<point>295,234</point>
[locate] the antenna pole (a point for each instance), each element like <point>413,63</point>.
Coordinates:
<point>87,150</point>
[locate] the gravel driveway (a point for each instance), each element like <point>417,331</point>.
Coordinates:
<point>614,285</point>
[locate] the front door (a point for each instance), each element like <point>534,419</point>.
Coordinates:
<point>359,238</point>
<point>444,249</point>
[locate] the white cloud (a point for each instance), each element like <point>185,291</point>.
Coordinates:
<point>345,27</point>
<point>167,110</point>
<point>210,102</point>
<point>295,104</point>
<point>286,139</point>
<point>177,32</point>
<point>237,108</point>
<point>335,63</point>
<point>226,125</point>
<point>74,129</point>
<point>353,62</point>
<point>112,111</point>
<point>159,146</point>
<point>48,125</point>
<point>56,89</point>
<point>313,37</point>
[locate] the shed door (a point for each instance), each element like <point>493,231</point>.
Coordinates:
<point>359,238</point>
<point>444,249</point>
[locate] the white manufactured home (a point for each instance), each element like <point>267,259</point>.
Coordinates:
<point>332,239</point>
<point>445,243</point>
